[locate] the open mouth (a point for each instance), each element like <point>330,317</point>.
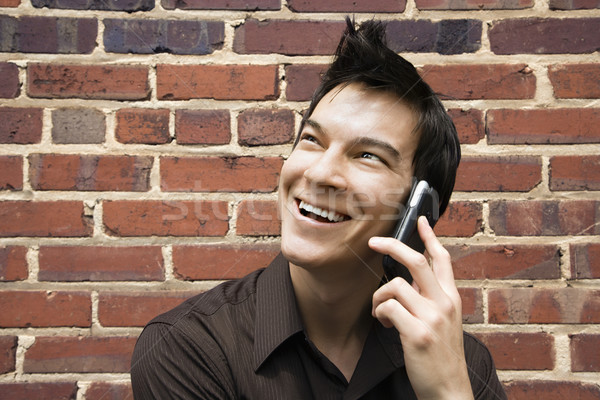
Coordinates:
<point>320,214</point>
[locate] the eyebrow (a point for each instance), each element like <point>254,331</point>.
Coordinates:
<point>362,140</point>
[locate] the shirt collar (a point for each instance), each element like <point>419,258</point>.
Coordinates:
<point>277,316</point>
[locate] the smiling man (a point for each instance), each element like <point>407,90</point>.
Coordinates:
<point>322,321</point>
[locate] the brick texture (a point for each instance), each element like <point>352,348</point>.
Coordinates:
<point>220,261</point>
<point>89,172</point>
<point>13,263</point>
<point>141,143</point>
<point>96,263</point>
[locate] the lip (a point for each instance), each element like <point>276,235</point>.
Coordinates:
<point>300,216</point>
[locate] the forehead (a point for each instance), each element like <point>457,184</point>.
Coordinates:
<point>357,110</point>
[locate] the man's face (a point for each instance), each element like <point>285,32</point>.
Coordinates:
<point>346,178</point>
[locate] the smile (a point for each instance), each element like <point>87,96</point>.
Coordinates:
<point>319,214</point>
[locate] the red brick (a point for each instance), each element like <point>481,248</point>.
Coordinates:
<point>11,173</point>
<point>13,263</point>
<point>43,219</point>
<point>137,308</point>
<point>544,36</point>
<point>79,354</point>
<point>219,82</point>
<point>202,126</point>
<point>101,263</point>
<point>473,5</point>
<point>544,306</point>
<point>575,173</point>
<point>20,125</point>
<point>219,174</point>
<point>289,37</point>
<point>89,172</point>
<point>261,127</point>
<point>551,390</point>
<point>39,390</point>
<point>472,305</point>
<point>481,81</point>
<point>469,125</point>
<point>498,174</point>
<point>138,5</point>
<point>258,218</point>
<point>221,261</point>
<point>9,80</point>
<point>462,219</point>
<point>548,126</point>
<point>544,218</point>
<point>583,356</point>
<point>144,126</point>
<point>8,352</point>
<point>575,81</point>
<point>302,80</point>
<point>111,82</point>
<point>585,260</point>
<point>249,5</point>
<point>166,218</point>
<point>10,3</point>
<point>23,309</point>
<point>109,391</point>
<point>573,4</point>
<point>520,351</point>
<point>350,6</point>
<point>505,261</point>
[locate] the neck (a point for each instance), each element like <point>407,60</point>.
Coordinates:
<point>335,306</point>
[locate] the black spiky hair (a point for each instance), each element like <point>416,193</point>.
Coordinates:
<point>362,56</point>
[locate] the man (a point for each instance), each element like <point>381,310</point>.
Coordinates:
<point>322,321</point>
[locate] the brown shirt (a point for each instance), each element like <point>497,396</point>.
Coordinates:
<point>244,339</point>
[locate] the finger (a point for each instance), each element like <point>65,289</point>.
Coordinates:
<point>442,263</point>
<point>404,293</point>
<point>416,263</point>
<point>392,313</point>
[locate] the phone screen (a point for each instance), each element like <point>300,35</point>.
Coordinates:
<point>423,200</point>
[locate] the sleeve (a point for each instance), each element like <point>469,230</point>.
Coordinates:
<point>482,372</point>
<point>166,364</point>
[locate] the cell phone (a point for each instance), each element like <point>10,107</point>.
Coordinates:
<point>423,200</point>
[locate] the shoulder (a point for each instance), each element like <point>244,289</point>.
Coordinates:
<point>482,370</point>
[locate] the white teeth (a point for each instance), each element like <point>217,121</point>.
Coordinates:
<point>330,215</point>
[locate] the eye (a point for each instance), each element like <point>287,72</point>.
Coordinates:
<point>370,156</point>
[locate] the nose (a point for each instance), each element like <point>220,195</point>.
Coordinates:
<point>328,170</point>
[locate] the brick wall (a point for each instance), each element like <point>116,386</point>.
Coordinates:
<point>141,143</point>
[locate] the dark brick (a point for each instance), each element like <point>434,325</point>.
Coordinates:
<point>575,81</point>
<point>78,125</point>
<point>551,390</point>
<point>545,36</point>
<point>13,263</point>
<point>469,124</point>
<point>48,35</point>
<point>265,127</point>
<point>302,80</point>
<point>574,4</point>
<point>473,5</point>
<point>113,82</point>
<point>20,125</point>
<point>582,359</point>
<point>163,36</point>
<point>244,5</point>
<point>90,172</point>
<point>11,173</point>
<point>8,352</point>
<point>444,37</point>
<point>350,6</point>
<point>543,126</point>
<point>505,261</point>
<point>9,80</point>
<point>202,126</point>
<point>544,217</point>
<point>112,5</point>
<point>39,390</point>
<point>289,37</point>
<point>585,260</point>
<point>144,126</point>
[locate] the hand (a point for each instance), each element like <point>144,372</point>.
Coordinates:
<point>427,315</point>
